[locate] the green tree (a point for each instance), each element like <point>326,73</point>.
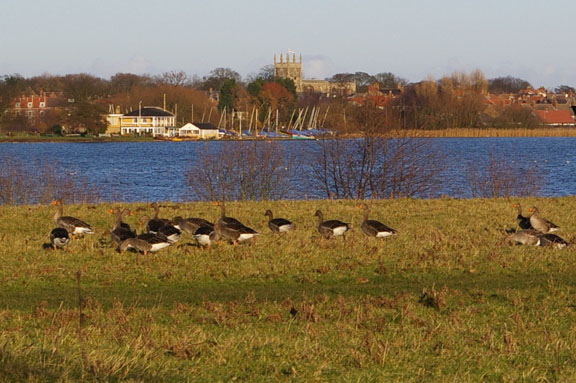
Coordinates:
<point>227,98</point>
<point>89,116</point>
<point>288,83</point>
<point>255,87</point>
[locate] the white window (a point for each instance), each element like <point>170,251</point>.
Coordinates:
<point>17,104</point>
<point>29,104</point>
<point>42,104</point>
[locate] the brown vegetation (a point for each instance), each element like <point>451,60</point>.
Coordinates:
<point>250,170</point>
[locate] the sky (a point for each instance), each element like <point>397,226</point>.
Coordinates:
<point>414,39</point>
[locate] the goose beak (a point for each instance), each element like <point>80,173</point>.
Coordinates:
<point>54,202</point>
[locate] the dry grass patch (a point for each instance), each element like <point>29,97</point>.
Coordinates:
<point>445,300</point>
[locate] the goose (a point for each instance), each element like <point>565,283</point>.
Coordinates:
<point>71,224</point>
<point>374,228</point>
<point>224,218</point>
<point>156,241</point>
<point>535,238</point>
<point>191,225</point>
<point>171,233</point>
<point>541,224</point>
<point>331,228</point>
<point>59,238</point>
<point>121,231</point>
<point>525,237</point>
<point>136,244</point>
<point>155,223</point>
<point>206,236</point>
<point>278,225</point>
<point>523,222</point>
<point>552,240</point>
<point>232,229</point>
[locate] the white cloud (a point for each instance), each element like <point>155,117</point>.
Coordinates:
<point>138,64</point>
<point>317,67</point>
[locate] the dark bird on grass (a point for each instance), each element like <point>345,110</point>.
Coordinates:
<point>533,237</point>
<point>528,237</point>
<point>523,222</point>
<point>374,228</point>
<point>191,225</point>
<point>59,238</point>
<point>137,244</point>
<point>232,229</point>
<point>166,230</point>
<point>331,228</point>
<point>121,231</point>
<point>223,217</point>
<point>155,223</point>
<point>278,225</point>
<point>71,224</point>
<point>553,240</point>
<point>156,241</point>
<point>540,223</point>
<point>206,236</point>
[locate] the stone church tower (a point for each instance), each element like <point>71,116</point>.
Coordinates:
<point>289,69</point>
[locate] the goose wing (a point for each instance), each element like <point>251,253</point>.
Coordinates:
<point>333,227</point>
<point>74,225</point>
<point>121,234</point>
<point>377,229</point>
<point>280,224</point>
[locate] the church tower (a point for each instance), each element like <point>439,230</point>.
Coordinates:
<point>289,69</point>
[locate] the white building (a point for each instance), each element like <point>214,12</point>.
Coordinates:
<point>198,130</point>
<point>149,121</point>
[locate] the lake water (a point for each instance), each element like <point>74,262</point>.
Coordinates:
<point>155,171</point>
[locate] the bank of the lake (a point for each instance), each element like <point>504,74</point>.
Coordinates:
<point>446,299</point>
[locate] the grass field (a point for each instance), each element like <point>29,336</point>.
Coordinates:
<point>444,301</point>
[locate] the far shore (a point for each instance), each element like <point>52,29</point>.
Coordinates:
<point>444,133</point>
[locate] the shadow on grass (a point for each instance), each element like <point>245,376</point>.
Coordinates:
<point>167,294</point>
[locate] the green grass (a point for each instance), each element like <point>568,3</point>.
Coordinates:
<point>444,301</point>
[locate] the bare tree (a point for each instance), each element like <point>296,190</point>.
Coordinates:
<point>497,177</point>
<point>383,163</point>
<point>179,78</point>
<point>41,183</point>
<point>232,170</point>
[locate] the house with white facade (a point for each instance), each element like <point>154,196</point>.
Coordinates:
<point>147,121</point>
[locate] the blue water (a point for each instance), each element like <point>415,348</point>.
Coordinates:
<point>156,170</point>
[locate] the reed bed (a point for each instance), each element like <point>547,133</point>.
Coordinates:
<point>493,132</point>
<point>446,300</point>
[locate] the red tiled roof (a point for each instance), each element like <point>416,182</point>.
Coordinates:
<point>563,117</point>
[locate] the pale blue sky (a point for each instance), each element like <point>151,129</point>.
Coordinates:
<point>413,39</point>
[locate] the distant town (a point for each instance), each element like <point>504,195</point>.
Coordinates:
<point>276,102</point>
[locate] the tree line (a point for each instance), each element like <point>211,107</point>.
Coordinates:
<point>454,101</point>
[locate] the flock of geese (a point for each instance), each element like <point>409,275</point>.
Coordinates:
<point>162,232</point>
<point>535,230</point>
